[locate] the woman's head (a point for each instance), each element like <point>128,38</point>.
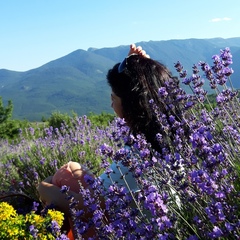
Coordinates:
<point>134,84</point>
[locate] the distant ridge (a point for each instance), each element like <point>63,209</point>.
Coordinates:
<point>76,82</point>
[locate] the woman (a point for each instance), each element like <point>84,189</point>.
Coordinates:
<point>135,83</point>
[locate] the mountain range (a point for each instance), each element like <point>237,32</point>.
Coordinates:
<point>77,82</point>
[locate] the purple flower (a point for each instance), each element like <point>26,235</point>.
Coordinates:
<point>220,98</point>
<point>35,206</point>
<point>163,223</point>
<point>97,216</point>
<point>220,195</point>
<point>189,104</point>
<point>226,56</point>
<point>162,93</point>
<point>106,150</point>
<point>42,161</point>
<point>178,66</point>
<point>64,189</point>
<point>153,201</point>
<point>31,130</point>
<point>216,59</point>
<point>193,237</point>
<point>227,71</point>
<point>216,233</point>
<point>62,237</point>
<point>33,231</point>
<point>186,81</point>
<point>183,74</point>
<point>55,229</point>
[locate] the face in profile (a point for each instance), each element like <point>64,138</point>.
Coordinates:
<point>116,104</point>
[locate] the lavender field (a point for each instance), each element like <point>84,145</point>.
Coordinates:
<point>189,190</point>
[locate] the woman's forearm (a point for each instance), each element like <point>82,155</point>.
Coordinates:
<point>51,194</point>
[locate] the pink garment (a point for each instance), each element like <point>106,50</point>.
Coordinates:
<point>64,176</point>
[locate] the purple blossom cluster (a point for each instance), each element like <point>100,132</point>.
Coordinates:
<point>190,189</point>
<point>32,159</point>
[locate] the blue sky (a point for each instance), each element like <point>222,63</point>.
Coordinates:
<point>34,32</point>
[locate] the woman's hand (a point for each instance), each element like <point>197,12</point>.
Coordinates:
<point>137,50</point>
<point>51,194</point>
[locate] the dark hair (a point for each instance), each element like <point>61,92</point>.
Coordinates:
<point>136,85</point>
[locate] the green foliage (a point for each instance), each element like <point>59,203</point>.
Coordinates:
<point>237,181</point>
<point>5,112</point>
<point>12,128</point>
<point>8,128</point>
<point>101,120</point>
<point>210,104</point>
<point>57,119</point>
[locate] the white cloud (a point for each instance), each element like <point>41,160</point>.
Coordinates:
<point>215,20</point>
<point>226,19</point>
<point>220,19</point>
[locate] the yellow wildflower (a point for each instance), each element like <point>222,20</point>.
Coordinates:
<point>6,211</point>
<point>38,219</point>
<point>17,226</point>
<point>57,216</point>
